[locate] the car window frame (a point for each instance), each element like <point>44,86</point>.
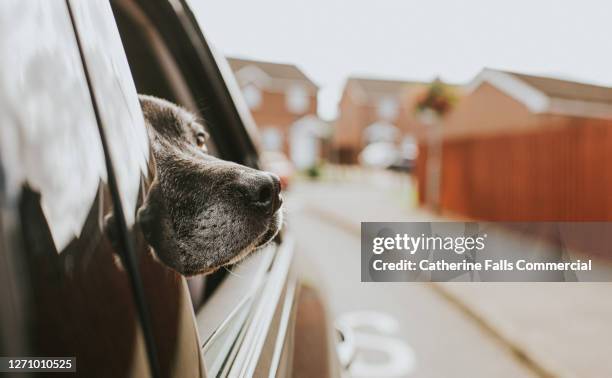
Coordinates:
<point>236,141</point>
<point>178,58</point>
<point>198,64</point>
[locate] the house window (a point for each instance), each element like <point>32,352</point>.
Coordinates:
<point>380,132</point>
<point>297,99</point>
<point>272,139</point>
<point>252,96</point>
<point>387,108</point>
<point>409,148</point>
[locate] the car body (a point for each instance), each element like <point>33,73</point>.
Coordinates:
<point>73,149</point>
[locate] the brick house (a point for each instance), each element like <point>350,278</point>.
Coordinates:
<point>371,109</point>
<point>278,95</point>
<point>522,147</point>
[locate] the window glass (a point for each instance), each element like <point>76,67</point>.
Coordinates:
<point>380,132</point>
<point>272,139</point>
<point>297,99</point>
<point>388,108</point>
<point>252,96</point>
<point>117,99</point>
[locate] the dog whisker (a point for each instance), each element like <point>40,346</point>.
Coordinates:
<point>232,273</point>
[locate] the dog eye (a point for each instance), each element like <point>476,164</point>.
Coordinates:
<point>201,139</point>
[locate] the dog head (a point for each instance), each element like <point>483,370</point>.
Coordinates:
<point>200,212</point>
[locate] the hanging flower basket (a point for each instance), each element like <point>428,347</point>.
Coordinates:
<point>435,102</point>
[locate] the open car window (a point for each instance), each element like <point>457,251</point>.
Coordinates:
<point>171,60</point>
<point>166,70</point>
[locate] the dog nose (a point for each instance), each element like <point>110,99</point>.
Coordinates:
<point>265,193</point>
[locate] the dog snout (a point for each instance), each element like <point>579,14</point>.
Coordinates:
<point>263,192</point>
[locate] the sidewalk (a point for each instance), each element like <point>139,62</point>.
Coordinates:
<point>558,329</point>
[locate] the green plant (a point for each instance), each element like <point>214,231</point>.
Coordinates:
<point>314,172</point>
<point>438,98</point>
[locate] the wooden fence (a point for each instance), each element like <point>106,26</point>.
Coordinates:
<point>556,173</point>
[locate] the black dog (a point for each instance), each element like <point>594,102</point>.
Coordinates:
<point>202,213</point>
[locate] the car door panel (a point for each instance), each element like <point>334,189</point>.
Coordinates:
<point>73,294</point>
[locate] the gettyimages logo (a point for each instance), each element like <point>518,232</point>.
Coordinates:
<point>412,244</point>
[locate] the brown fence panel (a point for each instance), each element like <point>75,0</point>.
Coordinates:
<point>421,172</point>
<point>557,173</point>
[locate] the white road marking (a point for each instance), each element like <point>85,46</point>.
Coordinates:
<point>374,333</point>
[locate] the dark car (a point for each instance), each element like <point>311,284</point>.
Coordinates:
<point>73,149</point>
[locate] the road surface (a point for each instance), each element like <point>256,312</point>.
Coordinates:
<point>401,329</point>
<point>441,330</point>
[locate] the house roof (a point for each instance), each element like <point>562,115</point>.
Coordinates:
<point>373,89</point>
<point>283,71</point>
<point>567,89</point>
<point>550,95</point>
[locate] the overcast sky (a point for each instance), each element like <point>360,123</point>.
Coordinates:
<point>416,40</point>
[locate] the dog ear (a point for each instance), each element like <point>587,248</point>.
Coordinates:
<point>111,230</point>
<point>112,233</point>
<point>145,212</point>
<point>149,216</point>
<point>147,220</point>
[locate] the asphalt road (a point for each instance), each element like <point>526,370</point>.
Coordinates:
<point>399,329</point>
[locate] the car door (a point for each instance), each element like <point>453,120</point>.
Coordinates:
<point>68,295</point>
<point>73,155</point>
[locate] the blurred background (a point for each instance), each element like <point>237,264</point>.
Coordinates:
<point>435,110</point>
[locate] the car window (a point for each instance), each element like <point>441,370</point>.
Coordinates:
<point>67,282</point>
<point>169,58</point>
<point>160,69</point>
<point>167,300</point>
<point>152,64</point>
<point>156,73</point>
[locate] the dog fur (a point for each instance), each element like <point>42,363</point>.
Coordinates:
<point>200,212</point>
